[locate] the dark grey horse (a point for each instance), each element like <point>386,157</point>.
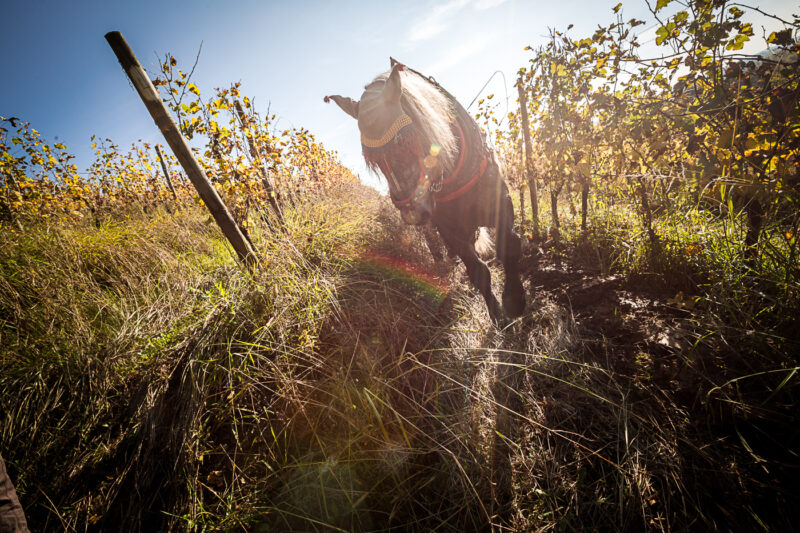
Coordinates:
<point>439,169</point>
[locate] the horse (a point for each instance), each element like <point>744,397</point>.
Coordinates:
<point>440,170</point>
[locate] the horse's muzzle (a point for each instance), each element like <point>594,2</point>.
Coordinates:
<point>416,215</point>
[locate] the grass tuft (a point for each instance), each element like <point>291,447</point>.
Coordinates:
<point>351,383</point>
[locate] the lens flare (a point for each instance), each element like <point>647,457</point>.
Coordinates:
<point>401,270</point>
<point>429,162</point>
<point>431,159</point>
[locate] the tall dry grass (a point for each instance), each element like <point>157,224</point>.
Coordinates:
<point>150,384</point>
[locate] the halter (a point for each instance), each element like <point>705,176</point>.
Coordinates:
<point>404,138</point>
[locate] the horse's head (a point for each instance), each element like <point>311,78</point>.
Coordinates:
<point>394,141</point>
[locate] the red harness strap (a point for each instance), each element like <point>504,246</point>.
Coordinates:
<point>461,157</point>
<point>467,186</point>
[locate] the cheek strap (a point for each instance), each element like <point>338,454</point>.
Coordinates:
<point>423,186</point>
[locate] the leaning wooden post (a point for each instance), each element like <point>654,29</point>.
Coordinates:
<point>526,131</point>
<point>166,174</point>
<point>180,148</point>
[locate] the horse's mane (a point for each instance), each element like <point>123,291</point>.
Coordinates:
<point>429,109</point>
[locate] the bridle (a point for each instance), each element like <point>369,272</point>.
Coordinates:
<point>399,139</point>
<point>402,136</point>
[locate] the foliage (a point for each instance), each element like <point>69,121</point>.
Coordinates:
<point>97,321</point>
<point>700,127</point>
<point>246,162</point>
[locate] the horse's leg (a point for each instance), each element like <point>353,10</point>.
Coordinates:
<point>434,245</point>
<point>462,243</point>
<point>509,250</point>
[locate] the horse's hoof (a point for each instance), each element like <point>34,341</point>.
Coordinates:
<point>497,315</point>
<point>514,304</point>
<point>500,319</point>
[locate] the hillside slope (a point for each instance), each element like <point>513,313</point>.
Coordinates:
<point>352,383</point>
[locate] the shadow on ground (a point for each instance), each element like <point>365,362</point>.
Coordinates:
<point>591,412</point>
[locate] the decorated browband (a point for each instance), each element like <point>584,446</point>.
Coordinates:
<point>401,122</point>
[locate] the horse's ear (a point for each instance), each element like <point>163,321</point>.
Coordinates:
<point>348,105</point>
<point>394,87</point>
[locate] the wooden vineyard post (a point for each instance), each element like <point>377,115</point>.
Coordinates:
<point>585,172</point>
<point>584,202</point>
<point>523,106</point>
<point>166,174</point>
<point>149,95</point>
<point>268,188</point>
<point>521,201</point>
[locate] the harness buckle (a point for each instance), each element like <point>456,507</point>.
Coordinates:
<point>437,185</point>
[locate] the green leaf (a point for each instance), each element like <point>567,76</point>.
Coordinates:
<point>661,35</point>
<point>746,29</point>
<point>662,4</point>
<point>737,43</point>
<point>781,38</point>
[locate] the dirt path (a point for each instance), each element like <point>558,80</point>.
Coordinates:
<point>636,325</point>
<point>614,417</point>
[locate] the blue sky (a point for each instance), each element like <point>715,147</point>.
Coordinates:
<point>60,75</point>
